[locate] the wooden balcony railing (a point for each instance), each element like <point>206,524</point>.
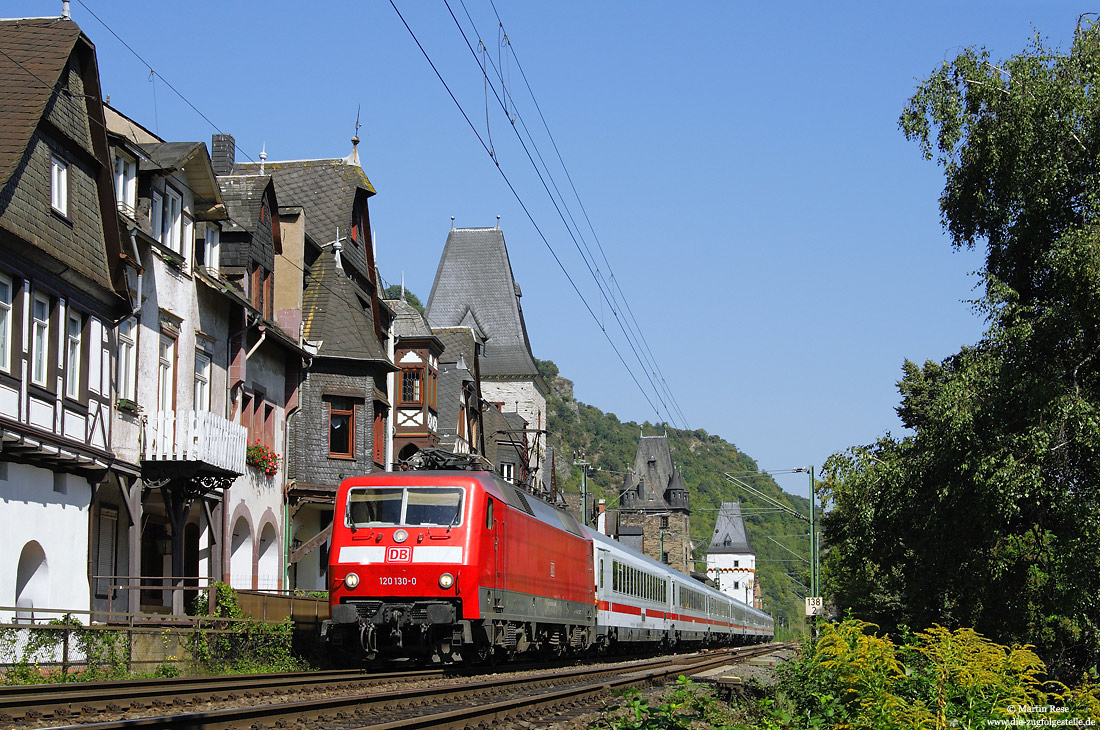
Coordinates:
<point>197,436</point>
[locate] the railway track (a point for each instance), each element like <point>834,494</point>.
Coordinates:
<point>430,701</point>
<point>88,699</point>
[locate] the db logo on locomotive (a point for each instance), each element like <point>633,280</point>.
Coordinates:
<point>399,554</point>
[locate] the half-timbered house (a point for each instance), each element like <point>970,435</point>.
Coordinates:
<point>61,291</point>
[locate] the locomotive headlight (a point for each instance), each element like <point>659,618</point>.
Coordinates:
<point>400,535</point>
<point>351,580</point>
<point>446,581</point>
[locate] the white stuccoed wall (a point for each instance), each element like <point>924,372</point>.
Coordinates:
<point>721,569</point>
<point>58,522</point>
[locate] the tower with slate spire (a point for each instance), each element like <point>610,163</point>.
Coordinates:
<point>731,561</point>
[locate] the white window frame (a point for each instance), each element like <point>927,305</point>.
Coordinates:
<point>125,183</point>
<point>187,247</point>
<point>202,381</point>
<point>156,215</point>
<point>40,340</point>
<point>74,325</point>
<point>127,359</point>
<point>508,472</point>
<point>211,246</point>
<point>7,293</point>
<point>166,373</point>
<point>59,185</point>
<point>173,220</point>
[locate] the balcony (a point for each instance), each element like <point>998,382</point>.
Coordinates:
<point>194,443</point>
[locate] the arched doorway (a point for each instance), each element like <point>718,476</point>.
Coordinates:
<point>407,451</point>
<point>32,582</point>
<point>267,567</point>
<point>240,558</point>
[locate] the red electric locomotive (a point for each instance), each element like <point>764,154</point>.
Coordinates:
<point>455,565</point>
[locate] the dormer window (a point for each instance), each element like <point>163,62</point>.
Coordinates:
<point>125,183</point>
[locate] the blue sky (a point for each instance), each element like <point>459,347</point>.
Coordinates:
<point>776,237</point>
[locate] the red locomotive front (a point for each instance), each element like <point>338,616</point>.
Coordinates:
<point>453,565</point>
<point>403,565</point>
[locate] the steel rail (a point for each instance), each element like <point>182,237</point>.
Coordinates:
<point>87,698</point>
<point>589,680</point>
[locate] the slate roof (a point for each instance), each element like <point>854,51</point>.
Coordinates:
<point>408,322</point>
<point>243,196</point>
<point>334,314</point>
<point>36,50</point>
<point>458,346</point>
<point>474,287</point>
<point>326,189</point>
<point>33,70</point>
<point>653,466</point>
<point>169,156</point>
<point>729,532</point>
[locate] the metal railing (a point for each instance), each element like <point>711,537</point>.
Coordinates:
<point>195,436</point>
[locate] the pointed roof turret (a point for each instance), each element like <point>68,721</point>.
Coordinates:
<point>474,287</point>
<point>729,531</point>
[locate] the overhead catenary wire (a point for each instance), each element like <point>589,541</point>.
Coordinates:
<point>605,288</point>
<point>152,72</point>
<point>584,211</point>
<point>589,264</point>
<point>525,209</point>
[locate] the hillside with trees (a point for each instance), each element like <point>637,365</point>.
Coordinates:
<point>583,432</point>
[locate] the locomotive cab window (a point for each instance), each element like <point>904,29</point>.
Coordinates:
<point>411,506</point>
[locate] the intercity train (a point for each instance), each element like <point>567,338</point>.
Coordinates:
<point>463,566</point>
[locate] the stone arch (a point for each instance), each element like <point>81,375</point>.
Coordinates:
<point>32,581</point>
<point>241,553</point>
<point>267,561</point>
<point>407,451</point>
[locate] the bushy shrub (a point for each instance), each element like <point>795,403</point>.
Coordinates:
<point>937,678</point>
<point>230,642</point>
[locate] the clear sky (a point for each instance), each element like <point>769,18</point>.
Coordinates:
<point>777,239</point>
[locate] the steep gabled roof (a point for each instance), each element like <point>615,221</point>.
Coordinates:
<point>729,532</point>
<point>326,189</point>
<point>335,313</point>
<point>36,83</point>
<point>244,197</point>
<point>36,51</point>
<point>408,322</point>
<point>474,287</point>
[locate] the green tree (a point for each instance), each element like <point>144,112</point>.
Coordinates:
<point>987,514</point>
<point>393,291</point>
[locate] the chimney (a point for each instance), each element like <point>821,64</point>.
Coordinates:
<point>65,10</point>
<point>223,153</point>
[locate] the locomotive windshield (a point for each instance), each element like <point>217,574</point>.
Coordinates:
<point>408,506</point>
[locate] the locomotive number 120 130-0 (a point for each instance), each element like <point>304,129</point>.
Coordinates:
<point>390,580</point>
